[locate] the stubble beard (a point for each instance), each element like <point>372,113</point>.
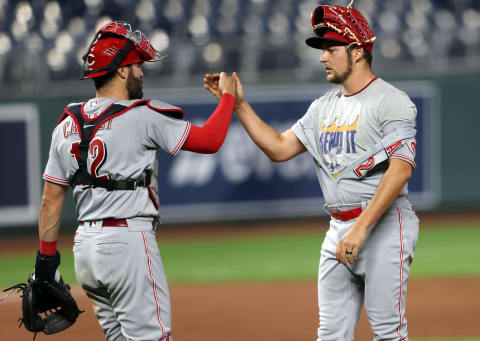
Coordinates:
<point>134,86</point>
<point>340,78</point>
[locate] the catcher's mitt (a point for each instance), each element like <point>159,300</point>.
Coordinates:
<point>340,23</point>
<point>47,306</point>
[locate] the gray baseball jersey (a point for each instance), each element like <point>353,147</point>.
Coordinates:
<point>122,148</point>
<point>350,139</point>
<point>340,131</point>
<point>118,264</point>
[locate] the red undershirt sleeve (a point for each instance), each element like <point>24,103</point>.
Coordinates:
<point>209,138</point>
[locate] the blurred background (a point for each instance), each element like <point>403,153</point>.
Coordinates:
<point>428,48</point>
<point>238,228</point>
<point>42,41</point>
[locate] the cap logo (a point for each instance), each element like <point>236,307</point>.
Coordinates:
<point>92,57</point>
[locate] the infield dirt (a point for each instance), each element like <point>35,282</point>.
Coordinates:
<point>444,308</point>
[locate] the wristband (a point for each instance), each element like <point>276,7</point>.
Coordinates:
<point>48,248</point>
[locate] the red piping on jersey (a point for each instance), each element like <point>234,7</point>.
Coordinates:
<point>92,119</point>
<point>405,158</point>
<point>150,194</point>
<point>401,276</point>
<point>53,179</point>
<point>359,91</point>
<point>181,142</point>
<point>154,283</point>
<point>209,138</point>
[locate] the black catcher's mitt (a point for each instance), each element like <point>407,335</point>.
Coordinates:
<point>47,305</point>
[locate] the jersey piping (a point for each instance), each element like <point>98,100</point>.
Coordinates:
<point>182,140</point>
<point>359,91</point>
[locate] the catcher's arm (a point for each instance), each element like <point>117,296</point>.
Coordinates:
<point>51,211</point>
<point>47,304</point>
<point>48,258</point>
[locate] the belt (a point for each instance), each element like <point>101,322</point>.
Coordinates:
<point>347,215</point>
<point>111,223</point>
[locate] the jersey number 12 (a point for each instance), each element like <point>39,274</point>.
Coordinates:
<point>98,152</point>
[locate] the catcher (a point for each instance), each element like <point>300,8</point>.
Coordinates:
<point>106,150</point>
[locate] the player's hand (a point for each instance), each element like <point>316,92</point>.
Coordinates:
<point>210,82</point>
<point>239,97</point>
<point>226,84</point>
<point>349,245</point>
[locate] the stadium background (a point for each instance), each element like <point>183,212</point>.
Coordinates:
<point>239,225</point>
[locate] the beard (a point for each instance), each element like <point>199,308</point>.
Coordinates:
<point>134,86</point>
<point>340,78</point>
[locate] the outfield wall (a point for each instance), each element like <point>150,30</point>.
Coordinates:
<point>240,182</point>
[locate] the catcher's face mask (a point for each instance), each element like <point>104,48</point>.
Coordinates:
<point>115,45</point>
<point>344,25</point>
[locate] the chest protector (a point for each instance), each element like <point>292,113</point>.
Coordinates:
<point>87,130</point>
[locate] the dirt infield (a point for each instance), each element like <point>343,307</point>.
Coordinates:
<point>282,312</point>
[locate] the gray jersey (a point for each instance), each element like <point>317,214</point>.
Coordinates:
<point>123,148</point>
<point>341,131</point>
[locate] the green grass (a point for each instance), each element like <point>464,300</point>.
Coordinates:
<point>452,251</point>
<point>442,252</point>
<point>258,259</point>
<point>15,269</point>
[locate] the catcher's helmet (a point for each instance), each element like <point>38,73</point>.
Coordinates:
<point>344,25</point>
<point>115,45</point>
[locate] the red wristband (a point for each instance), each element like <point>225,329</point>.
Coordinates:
<point>48,248</point>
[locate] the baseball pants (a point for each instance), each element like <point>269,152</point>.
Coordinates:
<point>378,279</point>
<point>121,271</point>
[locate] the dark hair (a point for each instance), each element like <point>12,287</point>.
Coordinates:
<point>101,81</point>
<point>366,54</point>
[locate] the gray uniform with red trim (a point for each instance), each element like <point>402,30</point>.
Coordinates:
<point>351,139</point>
<point>120,267</point>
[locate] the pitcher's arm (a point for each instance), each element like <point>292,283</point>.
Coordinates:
<point>277,146</point>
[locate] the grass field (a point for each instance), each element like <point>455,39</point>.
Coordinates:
<point>450,251</point>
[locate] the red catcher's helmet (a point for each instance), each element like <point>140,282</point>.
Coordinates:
<point>115,45</point>
<point>345,25</point>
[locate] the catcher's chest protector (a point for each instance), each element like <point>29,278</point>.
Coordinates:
<point>87,130</point>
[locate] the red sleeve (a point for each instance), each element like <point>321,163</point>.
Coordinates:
<point>209,138</point>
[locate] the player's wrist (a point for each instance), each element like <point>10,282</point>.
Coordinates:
<point>46,266</point>
<point>239,104</point>
<point>227,93</point>
<point>48,248</point>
